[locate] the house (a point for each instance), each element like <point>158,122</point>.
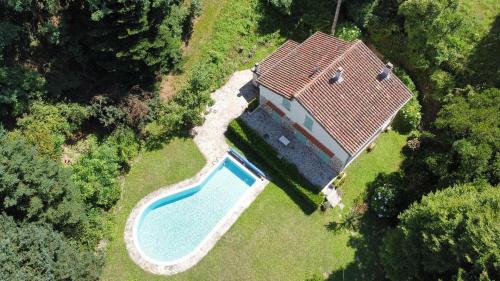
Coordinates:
<point>335,96</point>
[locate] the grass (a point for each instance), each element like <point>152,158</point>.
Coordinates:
<point>384,158</point>
<point>228,36</point>
<point>273,240</point>
<point>176,161</point>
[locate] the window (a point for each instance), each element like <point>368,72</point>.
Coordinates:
<point>324,156</point>
<point>286,103</point>
<point>308,123</point>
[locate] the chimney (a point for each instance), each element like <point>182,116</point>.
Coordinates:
<point>337,77</point>
<point>386,72</point>
<point>255,68</point>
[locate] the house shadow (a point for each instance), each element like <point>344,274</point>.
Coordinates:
<point>306,207</point>
<point>248,91</point>
<point>483,63</point>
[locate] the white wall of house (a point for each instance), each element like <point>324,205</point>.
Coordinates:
<point>297,114</point>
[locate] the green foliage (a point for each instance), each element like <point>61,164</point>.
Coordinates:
<point>410,116</point>
<point>96,174</point>
<point>127,146</point>
<point>386,195</point>
<point>47,126</point>
<point>469,128</point>
<point>453,231</point>
<point>36,189</point>
<point>97,226</point>
<point>440,33</point>
<point>283,6</point>
<point>348,32</point>
<point>19,87</point>
<point>243,134</point>
<point>36,252</point>
<point>145,37</point>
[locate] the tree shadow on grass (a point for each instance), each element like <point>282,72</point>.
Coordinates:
<point>484,61</point>
<point>369,231</point>
<point>306,17</point>
<point>366,243</point>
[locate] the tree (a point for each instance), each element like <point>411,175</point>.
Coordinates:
<point>128,42</point>
<point>336,16</point>
<point>440,33</point>
<point>34,188</point>
<point>36,252</point>
<point>453,232</point>
<point>469,128</point>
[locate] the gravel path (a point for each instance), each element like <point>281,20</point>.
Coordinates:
<point>229,102</point>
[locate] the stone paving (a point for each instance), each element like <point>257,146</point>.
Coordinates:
<point>229,102</point>
<point>306,160</point>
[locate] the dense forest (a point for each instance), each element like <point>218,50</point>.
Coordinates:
<point>79,83</point>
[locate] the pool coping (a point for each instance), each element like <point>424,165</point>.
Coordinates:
<point>191,259</point>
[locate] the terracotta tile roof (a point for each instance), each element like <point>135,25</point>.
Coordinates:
<point>276,56</point>
<point>296,70</point>
<point>351,111</point>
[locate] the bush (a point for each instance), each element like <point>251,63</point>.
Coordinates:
<point>386,195</point>
<point>410,116</point>
<point>348,32</point>
<point>96,227</point>
<point>127,146</point>
<point>287,171</point>
<point>47,126</point>
<point>96,174</point>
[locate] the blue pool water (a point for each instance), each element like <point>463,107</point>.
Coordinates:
<point>173,226</point>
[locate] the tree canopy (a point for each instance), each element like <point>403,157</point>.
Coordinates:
<point>36,252</point>
<point>34,188</point>
<point>451,234</point>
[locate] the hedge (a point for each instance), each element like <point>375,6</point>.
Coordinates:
<point>286,170</point>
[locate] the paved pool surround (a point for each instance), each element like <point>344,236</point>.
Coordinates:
<point>191,259</point>
<point>229,102</point>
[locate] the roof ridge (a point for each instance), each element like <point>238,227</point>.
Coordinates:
<point>289,53</point>
<point>306,86</point>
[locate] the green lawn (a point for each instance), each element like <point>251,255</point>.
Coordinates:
<point>178,160</point>
<point>273,240</point>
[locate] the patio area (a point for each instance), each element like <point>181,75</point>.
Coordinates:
<point>306,160</point>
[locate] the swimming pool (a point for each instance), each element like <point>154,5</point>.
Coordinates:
<point>172,228</point>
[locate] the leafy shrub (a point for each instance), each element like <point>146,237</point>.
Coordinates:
<point>126,144</point>
<point>239,131</point>
<point>47,126</point>
<point>36,252</point>
<point>384,200</point>
<point>386,196</point>
<point>97,226</point>
<point>36,189</point>
<point>410,116</point>
<point>195,8</point>
<point>96,174</point>
<point>348,32</point>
